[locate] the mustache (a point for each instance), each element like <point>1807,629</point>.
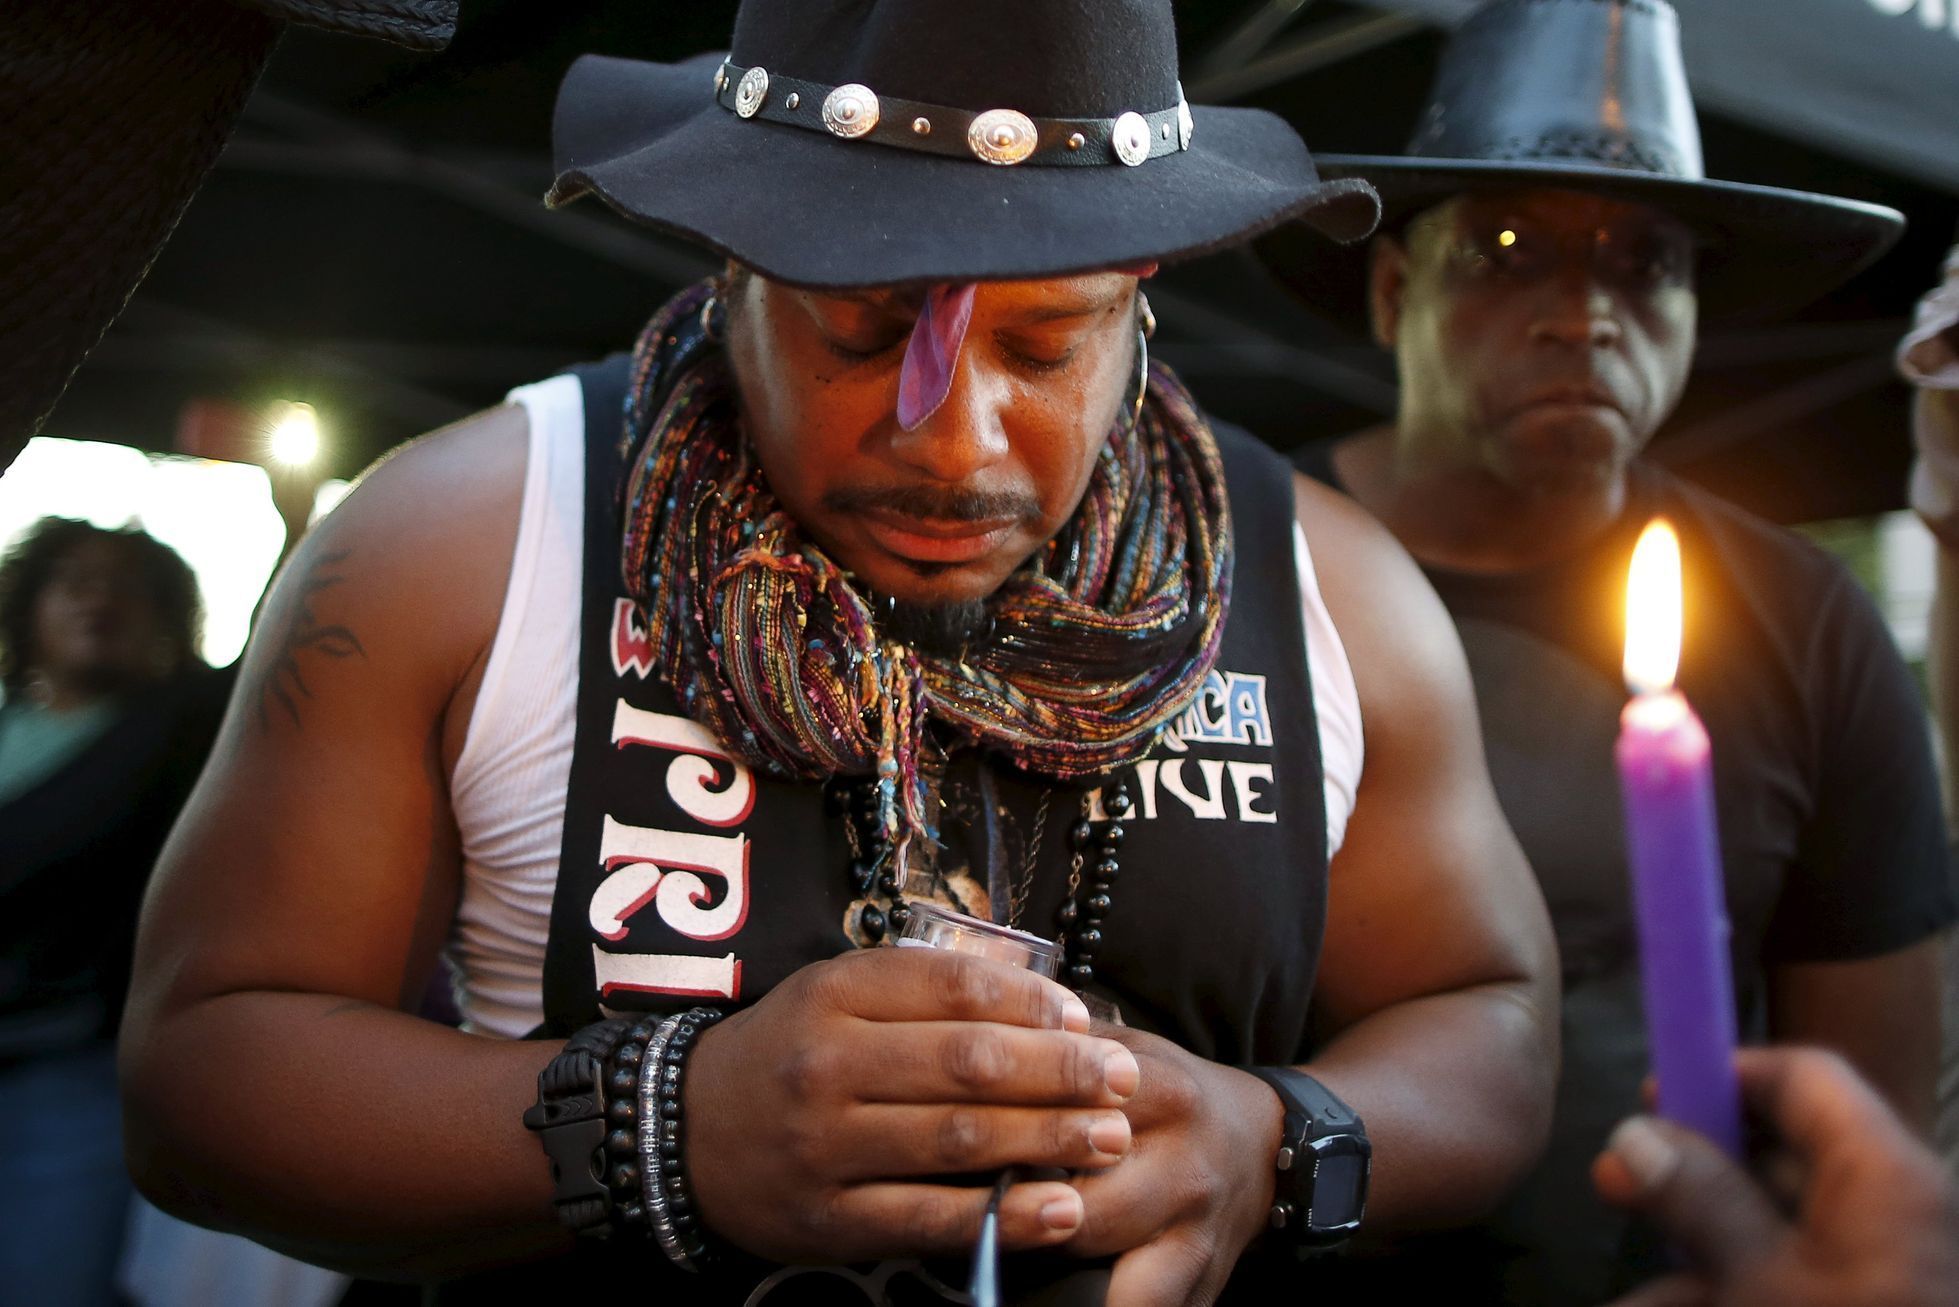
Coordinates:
<point>934,504</point>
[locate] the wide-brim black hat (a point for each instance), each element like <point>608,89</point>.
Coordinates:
<point>1591,96</point>
<point>842,144</point>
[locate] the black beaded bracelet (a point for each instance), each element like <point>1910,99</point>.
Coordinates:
<point>669,1190</point>
<point>622,1176</point>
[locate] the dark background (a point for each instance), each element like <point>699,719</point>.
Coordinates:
<point>372,242</point>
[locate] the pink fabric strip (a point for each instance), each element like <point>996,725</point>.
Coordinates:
<point>932,354</point>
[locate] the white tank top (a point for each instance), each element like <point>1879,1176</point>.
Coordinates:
<point>509,782</point>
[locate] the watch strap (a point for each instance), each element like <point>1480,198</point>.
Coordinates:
<point>1324,1111</point>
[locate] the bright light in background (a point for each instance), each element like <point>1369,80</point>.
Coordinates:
<point>219,516</point>
<point>295,438</point>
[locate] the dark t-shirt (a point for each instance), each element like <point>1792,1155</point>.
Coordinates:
<point>1831,833</point>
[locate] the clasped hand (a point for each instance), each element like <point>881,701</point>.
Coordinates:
<point>858,1110</point>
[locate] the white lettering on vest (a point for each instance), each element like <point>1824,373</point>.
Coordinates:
<point>664,868</point>
<point>690,775</point>
<point>1243,776</point>
<point>1208,806</point>
<point>645,862</point>
<point>662,973</point>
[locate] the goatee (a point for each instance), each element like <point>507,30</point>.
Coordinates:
<point>943,630</point>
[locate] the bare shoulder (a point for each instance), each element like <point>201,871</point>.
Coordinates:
<point>404,581</point>
<point>1399,638</point>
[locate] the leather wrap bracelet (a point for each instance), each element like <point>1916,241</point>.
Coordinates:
<point>569,1119</point>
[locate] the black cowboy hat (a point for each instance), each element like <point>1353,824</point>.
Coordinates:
<point>1591,95</point>
<point>847,143</point>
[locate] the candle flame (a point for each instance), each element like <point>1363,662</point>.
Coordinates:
<point>1653,610</point>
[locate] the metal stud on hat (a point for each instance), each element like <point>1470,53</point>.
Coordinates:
<point>1131,138</point>
<point>753,90</point>
<point>1003,136</point>
<point>850,110</point>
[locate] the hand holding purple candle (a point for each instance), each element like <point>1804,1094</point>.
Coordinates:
<point>1666,778</point>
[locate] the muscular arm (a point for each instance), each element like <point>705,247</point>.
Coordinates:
<point>275,1081</point>
<point>1438,991</point>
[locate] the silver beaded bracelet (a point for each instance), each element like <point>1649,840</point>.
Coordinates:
<point>652,1177</point>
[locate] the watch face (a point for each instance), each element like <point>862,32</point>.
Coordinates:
<point>1338,1190</point>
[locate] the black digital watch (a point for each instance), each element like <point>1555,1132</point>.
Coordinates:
<point>1322,1163</point>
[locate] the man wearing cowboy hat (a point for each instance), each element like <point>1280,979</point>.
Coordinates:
<point>1550,241</point>
<point>885,591</point>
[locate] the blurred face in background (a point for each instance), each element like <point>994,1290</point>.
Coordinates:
<point>1542,336</point>
<point>96,627</point>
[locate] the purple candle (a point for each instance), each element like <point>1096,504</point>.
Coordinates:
<point>1667,782</point>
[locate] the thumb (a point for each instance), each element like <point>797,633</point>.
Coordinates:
<point>1692,1191</point>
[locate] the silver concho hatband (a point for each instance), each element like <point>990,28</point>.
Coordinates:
<point>1131,138</point>
<point>1003,136</point>
<point>754,89</point>
<point>850,111</point>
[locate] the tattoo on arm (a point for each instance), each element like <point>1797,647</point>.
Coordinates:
<point>283,682</point>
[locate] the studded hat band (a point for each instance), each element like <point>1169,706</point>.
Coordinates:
<point>1000,136</point>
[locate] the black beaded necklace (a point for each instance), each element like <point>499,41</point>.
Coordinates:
<point>1093,866</point>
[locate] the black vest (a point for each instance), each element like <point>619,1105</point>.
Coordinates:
<point>687,878</point>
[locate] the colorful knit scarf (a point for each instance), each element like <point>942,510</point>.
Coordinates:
<point>1096,644</point>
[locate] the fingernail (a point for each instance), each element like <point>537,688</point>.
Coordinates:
<point>1062,1213</point>
<point>1645,1152</point>
<point>1121,1073</point>
<point>1109,1134</point>
<point>1074,1015</point>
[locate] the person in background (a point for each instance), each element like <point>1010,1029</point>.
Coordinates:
<point>1928,358</point>
<point>1550,246</point>
<point>107,716</point>
<point>1855,1210</point>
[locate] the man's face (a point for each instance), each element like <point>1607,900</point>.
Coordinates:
<point>1548,332</point>
<point>938,516</point>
